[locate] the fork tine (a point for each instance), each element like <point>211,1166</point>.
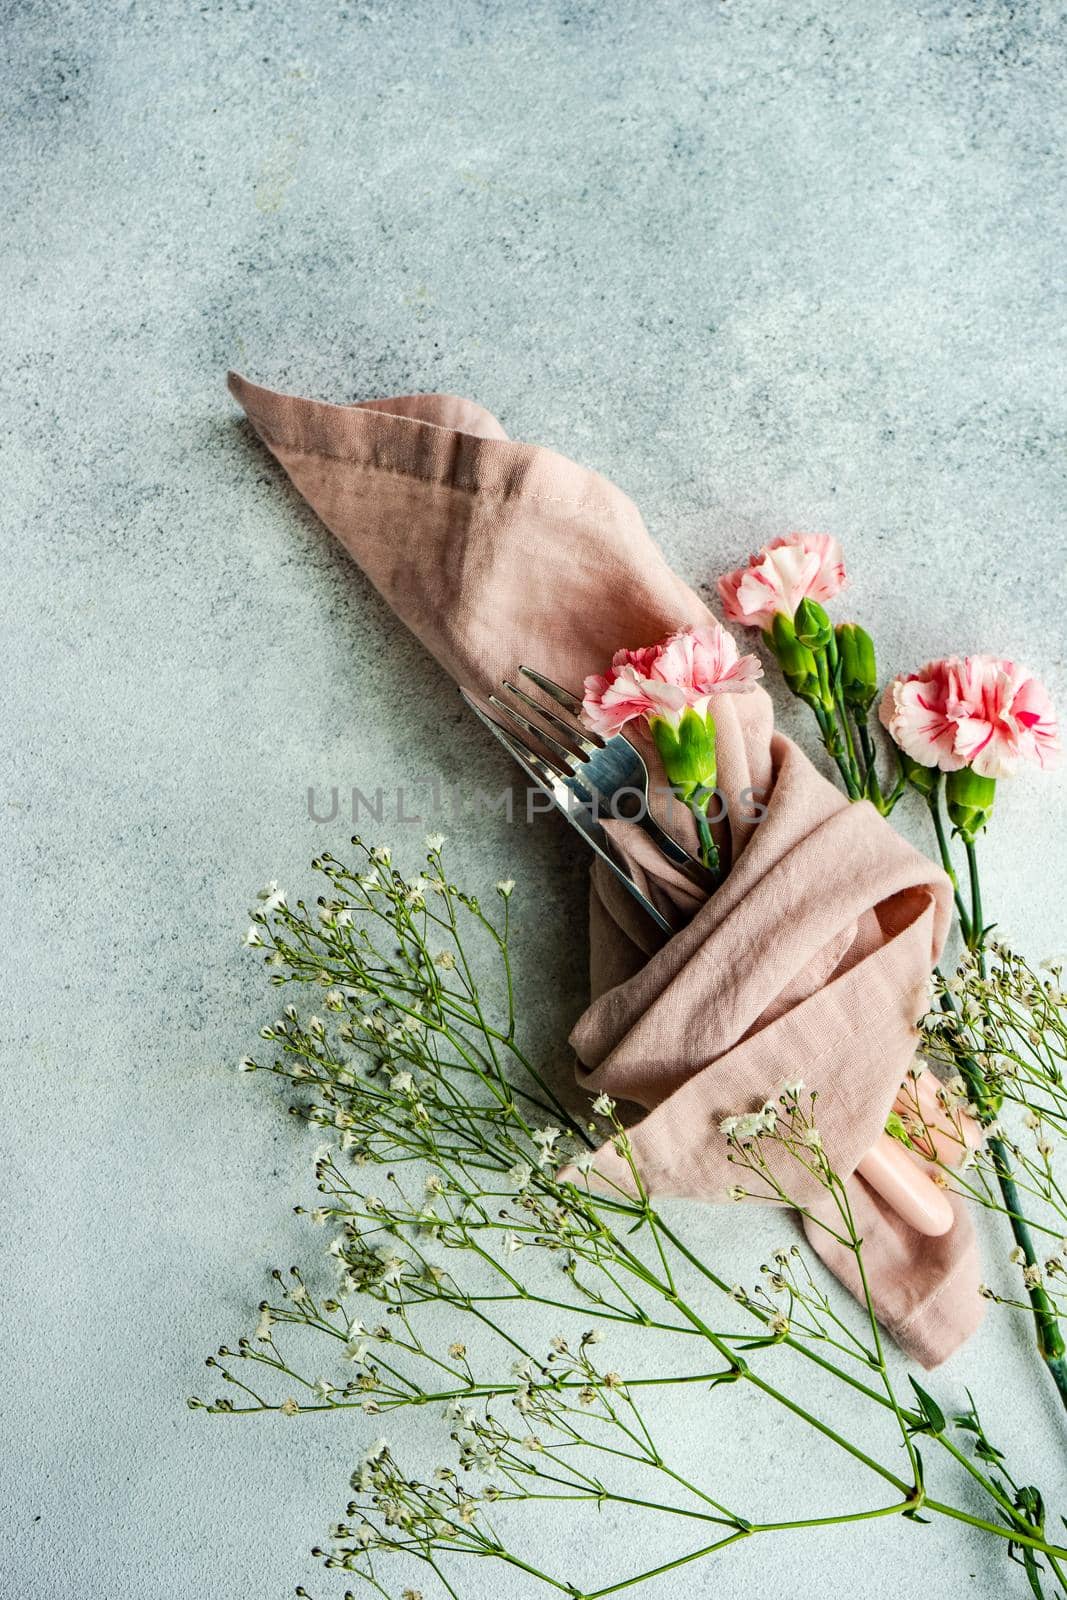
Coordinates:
<point>574,731</point>
<point>540,767</point>
<point>567,757</point>
<point>555,691</point>
<point>564,793</point>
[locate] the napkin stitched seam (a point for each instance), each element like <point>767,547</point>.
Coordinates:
<point>933,1297</point>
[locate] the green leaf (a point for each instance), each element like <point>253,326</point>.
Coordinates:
<point>894,1126</point>
<point>930,1408</point>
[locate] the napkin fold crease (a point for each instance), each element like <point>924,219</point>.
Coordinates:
<point>811,961</point>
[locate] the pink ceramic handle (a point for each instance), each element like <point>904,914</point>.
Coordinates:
<point>950,1134</point>
<point>888,1168</point>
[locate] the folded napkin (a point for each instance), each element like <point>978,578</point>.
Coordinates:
<point>812,959</point>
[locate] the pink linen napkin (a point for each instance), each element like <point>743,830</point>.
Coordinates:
<point>811,961</point>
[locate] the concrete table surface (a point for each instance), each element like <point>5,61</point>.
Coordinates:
<point>766,267</point>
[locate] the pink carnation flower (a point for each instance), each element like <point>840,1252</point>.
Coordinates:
<point>982,712</point>
<point>802,566</point>
<point>660,680</point>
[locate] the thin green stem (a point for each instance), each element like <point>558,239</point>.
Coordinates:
<point>933,801</point>
<point>976,933</point>
<point>709,850</point>
<point>1050,1341</point>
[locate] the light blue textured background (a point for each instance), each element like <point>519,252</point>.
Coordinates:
<point>766,266</point>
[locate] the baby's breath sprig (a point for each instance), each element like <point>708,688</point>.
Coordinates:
<point>456,1189</point>
<point>997,1029</point>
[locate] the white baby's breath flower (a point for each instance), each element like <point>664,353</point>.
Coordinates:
<point>603,1105</point>
<point>792,1089</point>
<point>393,1265</point>
<point>271,896</point>
<point>545,1139</point>
<point>435,842</point>
<point>402,1083</point>
<point>728,1127</point>
<point>246,1064</point>
<point>289,1408</point>
<point>445,960</point>
<point>381,855</point>
<point>519,1175</point>
<point>512,1242</point>
<point>254,937</point>
<point>505,888</point>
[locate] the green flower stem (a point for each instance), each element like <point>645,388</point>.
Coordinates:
<point>1050,1341</point>
<point>898,788</point>
<point>850,743</point>
<point>838,702</point>
<point>868,760</point>
<point>831,740</point>
<point>709,850</point>
<point>977,923</point>
<point>872,784</point>
<point>933,801</point>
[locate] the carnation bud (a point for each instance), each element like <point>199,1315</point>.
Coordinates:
<point>813,625</point>
<point>796,660</point>
<point>687,751</point>
<point>859,670</point>
<point>969,798</point>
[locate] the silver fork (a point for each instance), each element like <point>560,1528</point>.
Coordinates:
<point>568,796</point>
<point>606,768</point>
